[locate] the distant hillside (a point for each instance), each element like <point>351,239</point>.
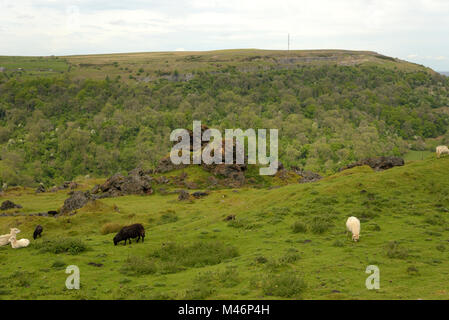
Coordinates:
<point>99,114</point>
<point>446,73</point>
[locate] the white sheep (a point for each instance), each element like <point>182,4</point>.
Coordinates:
<point>442,150</point>
<point>353,225</point>
<point>16,244</point>
<point>4,239</point>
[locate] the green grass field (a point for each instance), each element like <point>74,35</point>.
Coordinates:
<point>286,243</point>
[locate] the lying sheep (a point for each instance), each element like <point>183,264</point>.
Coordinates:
<point>4,239</point>
<point>16,244</point>
<point>353,225</point>
<point>37,232</point>
<point>130,232</point>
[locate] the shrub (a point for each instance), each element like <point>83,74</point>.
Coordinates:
<point>319,225</point>
<point>436,219</point>
<point>110,228</point>
<point>198,254</point>
<point>58,264</point>
<point>299,227</point>
<point>394,250</point>
<point>138,266</point>
<point>63,245</point>
<point>412,270</point>
<point>338,243</point>
<point>261,259</point>
<point>168,217</point>
<point>285,285</point>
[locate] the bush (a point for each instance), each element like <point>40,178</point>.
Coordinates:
<point>198,254</point>
<point>138,266</point>
<point>338,243</point>
<point>395,251</point>
<point>110,228</point>
<point>58,264</point>
<point>319,225</point>
<point>64,245</point>
<point>285,285</point>
<point>168,217</point>
<point>299,227</point>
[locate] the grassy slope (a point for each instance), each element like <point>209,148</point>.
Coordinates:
<point>409,204</point>
<point>154,65</point>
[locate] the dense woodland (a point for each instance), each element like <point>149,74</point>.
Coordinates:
<point>55,128</point>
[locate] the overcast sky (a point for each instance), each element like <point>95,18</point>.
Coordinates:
<point>414,30</point>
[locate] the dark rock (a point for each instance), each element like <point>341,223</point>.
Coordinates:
<point>7,204</point>
<point>183,195</point>
<point>336,291</point>
<point>40,188</point>
<point>378,164</point>
<point>95,264</point>
<point>199,194</point>
<point>95,189</point>
<point>307,176</point>
<point>76,201</point>
<point>230,217</point>
<point>136,182</point>
<point>165,165</point>
<point>51,213</point>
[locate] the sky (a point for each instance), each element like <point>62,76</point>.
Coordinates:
<point>413,30</point>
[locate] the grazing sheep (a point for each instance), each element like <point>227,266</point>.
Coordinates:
<point>130,232</point>
<point>442,150</point>
<point>353,225</point>
<point>4,239</point>
<point>16,244</point>
<point>38,231</point>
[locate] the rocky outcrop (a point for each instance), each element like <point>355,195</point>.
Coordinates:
<point>307,176</point>
<point>183,195</point>
<point>165,165</point>
<point>233,173</point>
<point>136,182</point>
<point>6,205</point>
<point>72,185</point>
<point>378,164</point>
<point>199,194</point>
<point>76,201</point>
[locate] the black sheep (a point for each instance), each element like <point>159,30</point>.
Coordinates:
<point>130,232</point>
<point>38,231</point>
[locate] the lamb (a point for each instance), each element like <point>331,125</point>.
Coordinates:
<point>16,244</point>
<point>37,231</point>
<point>353,225</point>
<point>130,232</point>
<point>442,150</point>
<point>4,239</point>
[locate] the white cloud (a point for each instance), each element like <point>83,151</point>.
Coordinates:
<point>396,28</point>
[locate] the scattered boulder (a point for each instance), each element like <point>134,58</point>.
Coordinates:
<point>183,195</point>
<point>7,204</point>
<point>230,217</point>
<point>307,176</point>
<point>233,173</point>
<point>165,165</point>
<point>136,182</point>
<point>76,201</point>
<point>95,264</point>
<point>40,188</point>
<point>378,164</point>
<point>199,194</point>
<point>65,185</point>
